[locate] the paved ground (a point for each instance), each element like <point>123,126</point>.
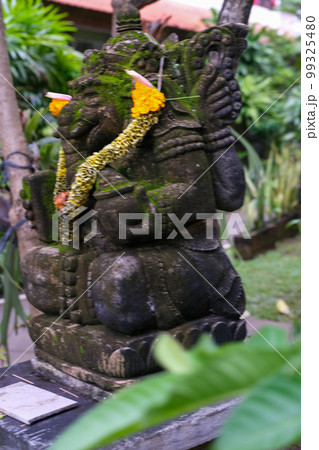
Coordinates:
<point>253,324</point>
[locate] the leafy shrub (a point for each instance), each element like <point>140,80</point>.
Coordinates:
<point>272,186</point>
<point>40,57</point>
<point>268,67</point>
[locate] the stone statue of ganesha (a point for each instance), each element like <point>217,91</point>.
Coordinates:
<point>104,303</point>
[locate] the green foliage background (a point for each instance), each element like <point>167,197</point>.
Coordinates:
<point>38,39</point>
<point>41,60</point>
<point>268,67</point>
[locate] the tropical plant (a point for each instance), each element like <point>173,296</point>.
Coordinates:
<point>268,67</point>
<point>265,370</point>
<point>9,274</point>
<point>272,186</point>
<point>291,6</point>
<point>257,95</point>
<point>270,54</point>
<point>38,129</point>
<point>40,57</point>
<point>213,20</point>
<point>41,60</point>
<point>10,286</point>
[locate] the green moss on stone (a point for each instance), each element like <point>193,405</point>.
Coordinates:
<point>116,186</point>
<point>47,193</point>
<point>116,90</point>
<point>77,114</point>
<point>125,171</point>
<point>62,248</point>
<point>26,192</point>
<point>142,37</point>
<point>150,185</point>
<point>95,57</point>
<point>156,196</point>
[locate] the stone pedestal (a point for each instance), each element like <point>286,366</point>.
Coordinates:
<point>110,360</point>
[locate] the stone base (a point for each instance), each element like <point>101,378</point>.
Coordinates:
<point>184,433</point>
<point>90,383</point>
<point>109,359</point>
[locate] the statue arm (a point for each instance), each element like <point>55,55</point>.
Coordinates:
<point>228,179</point>
<point>219,105</point>
<point>221,100</point>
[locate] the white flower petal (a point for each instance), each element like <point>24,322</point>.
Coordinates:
<point>58,96</point>
<point>138,77</point>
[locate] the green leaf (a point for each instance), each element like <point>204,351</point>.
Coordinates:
<point>261,205</point>
<point>40,57</point>
<point>32,124</point>
<point>272,335</point>
<point>171,355</point>
<point>269,418</point>
<point>219,373</point>
<point>10,290</point>
<point>254,162</point>
<point>3,355</point>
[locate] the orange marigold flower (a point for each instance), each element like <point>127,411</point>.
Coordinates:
<point>146,99</point>
<point>60,200</point>
<point>58,101</point>
<point>56,105</point>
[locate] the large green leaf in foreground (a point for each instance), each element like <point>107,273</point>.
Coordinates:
<point>268,418</point>
<point>201,376</point>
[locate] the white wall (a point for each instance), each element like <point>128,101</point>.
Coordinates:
<point>274,19</point>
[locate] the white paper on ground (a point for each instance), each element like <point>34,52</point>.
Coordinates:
<point>28,403</point>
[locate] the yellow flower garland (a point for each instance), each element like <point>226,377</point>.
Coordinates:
<point>61,184</point>
<point>87,172</point>
<point>147,103</point>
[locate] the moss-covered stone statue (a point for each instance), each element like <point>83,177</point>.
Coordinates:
<point>116,293</point>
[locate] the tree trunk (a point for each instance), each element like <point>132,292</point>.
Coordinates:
<point>117,5</point>
<point>12,139</point>
<point>235,11</point>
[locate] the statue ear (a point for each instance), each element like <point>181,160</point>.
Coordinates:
<point>219,46</point>
<point>210,60</point>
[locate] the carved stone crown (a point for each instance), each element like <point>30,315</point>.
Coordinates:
<point>128,18</point>
<point>132,47</point>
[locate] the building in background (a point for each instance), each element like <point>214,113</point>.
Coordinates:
<point>93,18</point>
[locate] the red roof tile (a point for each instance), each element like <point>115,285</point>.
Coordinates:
<point>95,5</point>
<point>185,17</point>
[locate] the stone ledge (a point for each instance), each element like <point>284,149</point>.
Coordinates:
<point>184,433</point>
<point>51,373</point>
<point>110,355</point>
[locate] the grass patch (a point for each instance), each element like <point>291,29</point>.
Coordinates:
<point>272,276</point>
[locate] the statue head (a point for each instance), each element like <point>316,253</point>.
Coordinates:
<point>101,97</point>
